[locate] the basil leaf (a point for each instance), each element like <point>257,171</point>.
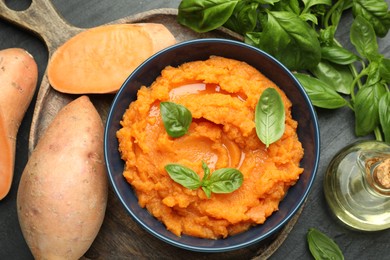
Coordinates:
<point>309,3</point>
<point>289,39</point>
<point>244,17</point>
<point>322,247</point>
<point>321,94</point>
<point>384,69</point>
<point>363,38</point>
<point>338,77</point>
<point>338,55</point>
<point>309,18</point>
<point>270,117</point>
<point>291,6</point>
<point>366,108</point>
<point>375,12</point>
<point>205,15</point>
<point>176,118</point>
<point>326,36</point>
<point>373,74</point>
<point>183,175</point>
<point>225,180</point>
<point>207,190</point>
<point>384,115</point>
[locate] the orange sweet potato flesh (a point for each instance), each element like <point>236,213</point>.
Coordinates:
<point>18,81</point>
<point>100,59</point>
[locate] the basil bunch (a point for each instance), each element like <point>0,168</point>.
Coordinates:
<point>224,180</point>
<point>301,35</point>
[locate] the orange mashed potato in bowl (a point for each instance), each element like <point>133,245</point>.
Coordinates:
<point>221,94</point>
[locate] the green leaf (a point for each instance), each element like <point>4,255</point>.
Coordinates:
<point>270,117</point>
<point>244,17</point>
<point>309,17</point>
<point>322,247</point>
<point>384,115</point>
<point>291,6</point>
<point>363,37</point>
<point>176,118</point>
<point>183,175</point>
<point>326,36</point>
<point>321,94</point>
<point>225,180</point>
<point>310,3</point>
<point>338,77</point>
<point>366,108</point>
<point>376,12</point>
<point>289,39</point>
<point>384,69</point>
<point>205,15</point>
<point>338,55</point>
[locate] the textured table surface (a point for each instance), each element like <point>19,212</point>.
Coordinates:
<point>336,128</point>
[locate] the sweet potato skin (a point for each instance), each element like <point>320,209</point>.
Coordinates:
<point>18,81</point>
<point>62,195</point>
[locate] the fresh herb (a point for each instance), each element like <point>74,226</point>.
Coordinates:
<point>224,180</point>
<point>176,118</point>
<point>301,35</point>
<point>322,247</point>
<point>269,117</point>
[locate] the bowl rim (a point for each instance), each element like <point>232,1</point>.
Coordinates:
<point>276,228</point>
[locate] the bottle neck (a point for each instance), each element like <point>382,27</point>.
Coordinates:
<point>376,169</point>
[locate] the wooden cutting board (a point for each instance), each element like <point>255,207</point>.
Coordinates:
<point>120,237</point>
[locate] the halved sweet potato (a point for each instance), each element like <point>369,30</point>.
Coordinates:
<point>100,59</point>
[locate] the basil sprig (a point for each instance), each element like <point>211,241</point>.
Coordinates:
<point>176,118</point>
<point>302,36</point>
<point>224,180</point>
<point>269,117</point>
<point>322,247</point>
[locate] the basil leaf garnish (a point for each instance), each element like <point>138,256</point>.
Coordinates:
<point>322,247</point>
<point>183,175</point>
<point>224,180</point>
<point>176,118</point>
<point>269,117</point>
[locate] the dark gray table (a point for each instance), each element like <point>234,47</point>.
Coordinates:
<point>336,132</point>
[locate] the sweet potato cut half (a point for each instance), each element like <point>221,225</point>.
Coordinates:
<point>99,60</point>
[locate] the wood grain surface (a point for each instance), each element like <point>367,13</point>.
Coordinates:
<point>336,128</point>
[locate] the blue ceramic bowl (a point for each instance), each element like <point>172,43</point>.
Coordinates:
<point>201,49</point>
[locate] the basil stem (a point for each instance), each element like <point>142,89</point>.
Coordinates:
<point>176,118</point>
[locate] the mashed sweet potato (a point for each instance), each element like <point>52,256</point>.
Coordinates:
<point>222,95</point>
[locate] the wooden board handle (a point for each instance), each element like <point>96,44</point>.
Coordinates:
<point>42,19</point>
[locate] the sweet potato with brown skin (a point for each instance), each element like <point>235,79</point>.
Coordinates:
<point>18,81</point>
<point>62,195</point>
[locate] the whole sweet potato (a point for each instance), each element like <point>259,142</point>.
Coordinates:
<point>62,194</point>
<point>18,81</point>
